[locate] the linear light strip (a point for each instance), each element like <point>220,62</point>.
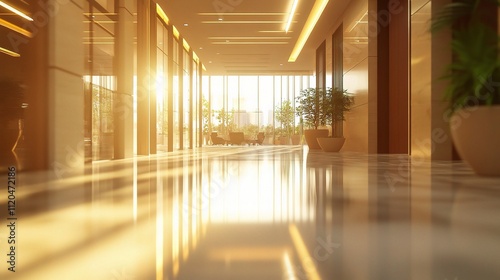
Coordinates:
<point>15,28</point>
<point>176,32</point>
<point>290,16</point>
<point>241,14</point>
<point>162,14</point>
<point>249,43</point>
<point>9,52</point>
<point>273,31</point>
<point>15,11</point>
<point>243,21</point>
<point>317,10</point>
<point>186,45</point>
<point>305,258</point>
<point>249,38</point>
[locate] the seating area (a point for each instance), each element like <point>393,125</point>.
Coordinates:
<point>237,138</point>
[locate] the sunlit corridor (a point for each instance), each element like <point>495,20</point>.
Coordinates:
<point>258,212</point>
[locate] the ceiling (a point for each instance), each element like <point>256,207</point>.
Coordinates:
<point>239,37</point>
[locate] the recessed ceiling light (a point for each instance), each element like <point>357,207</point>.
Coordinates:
<point>210,61</point>
<point>201,48</point>
<point>220,19</point>
<point>281,64</point>
<point>186,24</point>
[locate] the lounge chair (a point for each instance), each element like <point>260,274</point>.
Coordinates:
<point>216,140</point>
<point>236,138</point>
<point>260,138</point>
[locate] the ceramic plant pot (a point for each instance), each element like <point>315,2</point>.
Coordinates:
<point>331,144</point>
<point>312,134</point>
<point>476,136</point>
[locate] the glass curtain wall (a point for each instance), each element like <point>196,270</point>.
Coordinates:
<point>216,100</point>
<point>162,86</point>
<point>186,102</point>
<point>248,112</point>
<point>99,79</point>
<point>248,103</point>
<point>196,105</point>
<point>176,94</point>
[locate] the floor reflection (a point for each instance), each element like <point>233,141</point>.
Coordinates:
<point>266,212</point>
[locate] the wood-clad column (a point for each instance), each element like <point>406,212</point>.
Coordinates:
<point>192,109</point>
<point>152,77</point>
<point>392,76</point>
<point>181,93</point>
<point>124,67</point>
<point>321,66</point>
<point>65,91</point>
<point>171,41</point>
<point>338,69</point>
<point>32,65</point>
<point>143,77</point>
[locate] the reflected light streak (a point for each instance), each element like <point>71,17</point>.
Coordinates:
<point>159,228</point>
<point>290,274</point>
<point>185,219</point>
<point>305,258</point>
<point>175,229</point>
<point>134,193</point>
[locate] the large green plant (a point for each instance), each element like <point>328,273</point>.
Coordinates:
<point>205,114</point>
<point>309,104</point>
<point>250,130</point>
<point>285,114</point>
<point>335,104</point>
<point>226,121</point>
<point>474,72</point>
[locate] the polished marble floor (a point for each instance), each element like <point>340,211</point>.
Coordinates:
<point>266,212</point>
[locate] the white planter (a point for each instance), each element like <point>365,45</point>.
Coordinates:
<point>312,134</point>
<point>331,144</point>
<point>476,135</point>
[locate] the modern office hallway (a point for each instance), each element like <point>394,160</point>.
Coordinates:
<point>256,212</point>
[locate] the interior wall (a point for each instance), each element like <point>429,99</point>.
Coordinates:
<point>355,72</point>
<point>421,97</point>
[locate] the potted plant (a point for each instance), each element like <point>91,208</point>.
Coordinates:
<point>285,115</point>
<point>473,75</point>
<point>268,133</point>
<point>309,103</point>
<point>11,117</point>
<point>206,119</point>
<point>296,135</point>
<point>226,122</point>
<point>337,102</point>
